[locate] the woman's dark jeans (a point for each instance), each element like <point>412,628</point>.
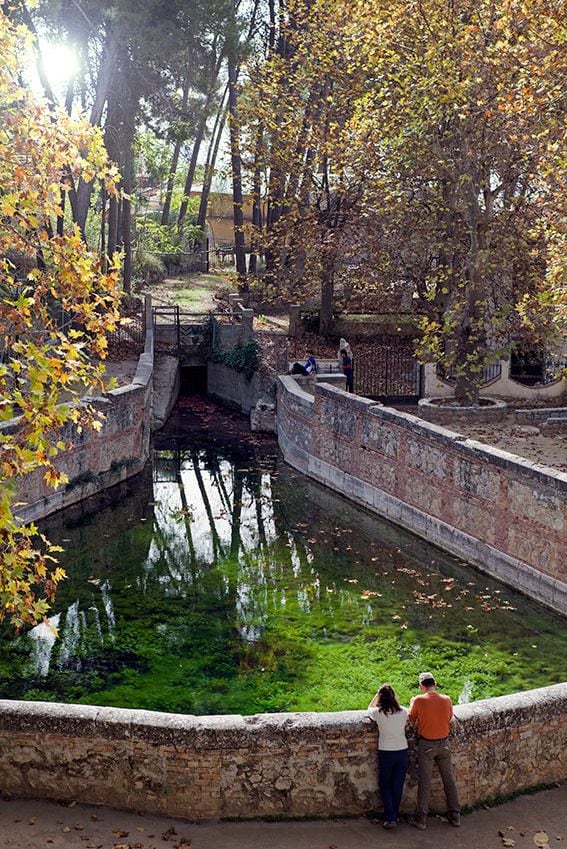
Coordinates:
<point>392,768</point>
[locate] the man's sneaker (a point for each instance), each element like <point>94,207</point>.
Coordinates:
<point>415,821</point>
<point>455,819</point>
<point>390,824</point>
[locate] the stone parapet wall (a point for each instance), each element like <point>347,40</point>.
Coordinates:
<point>297,764</point>
<point>505,514</point>
<point>98,460</point>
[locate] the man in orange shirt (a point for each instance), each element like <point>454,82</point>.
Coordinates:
<point>432,712</point>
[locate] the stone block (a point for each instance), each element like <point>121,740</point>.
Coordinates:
<point>537,504</point>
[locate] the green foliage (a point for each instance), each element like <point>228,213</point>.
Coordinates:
<point>149,268</point>
<point>165,240</point>
<point>243,358</point>
<point>160,239</point>
<point>153,156</point>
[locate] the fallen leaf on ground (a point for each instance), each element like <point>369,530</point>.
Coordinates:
<point>541,838</point>
<point>120,833</point>
<point>65,829</point>
<point>167,835</point>
<point>508,842</point>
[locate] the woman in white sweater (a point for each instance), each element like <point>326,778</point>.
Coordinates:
<point>391,719</point>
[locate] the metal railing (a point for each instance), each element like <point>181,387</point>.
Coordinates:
<point>488,374</point>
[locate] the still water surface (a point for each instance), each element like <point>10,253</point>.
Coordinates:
<point>221,581</point>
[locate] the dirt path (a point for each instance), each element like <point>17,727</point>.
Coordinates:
<point>28,824</point>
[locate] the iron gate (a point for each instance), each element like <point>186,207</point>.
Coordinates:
<point>388,373</point>
<point>179,331</point>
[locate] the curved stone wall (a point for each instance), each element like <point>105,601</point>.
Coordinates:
<point>297,764</point>
<point>505,514</point>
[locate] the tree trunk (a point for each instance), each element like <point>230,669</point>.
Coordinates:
<point>176,152</point>
<point>113,218</point>
<point>256,204</point>
<point>127,239</point>
<point>105,77</point>
<point>327,303</point>
<point>210,164</point>
<point>192,168</point>
<point>236,163</point>
<point>200,133</point>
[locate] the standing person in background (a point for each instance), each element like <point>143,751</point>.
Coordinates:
<point>346,365</point>
<point>431,712</point>
<point>391,718</point>
<point>343,345</point>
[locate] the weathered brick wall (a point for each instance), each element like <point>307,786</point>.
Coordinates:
<point>98,460</point>
<point>274,764</point>
<point>505,514</point>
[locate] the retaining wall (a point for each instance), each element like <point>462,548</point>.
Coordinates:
<point>232,386</point>
<point>297,764</point>
<point>505,514</point>
<point>100,459</point>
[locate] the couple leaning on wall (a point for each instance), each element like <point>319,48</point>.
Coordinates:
<point>431,713</point>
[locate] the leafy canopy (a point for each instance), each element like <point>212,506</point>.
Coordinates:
<point>56,303</point>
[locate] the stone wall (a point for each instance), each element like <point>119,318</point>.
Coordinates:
<point>99,460</point>
<point>233,387</point>
<point>505,514</point>
<point>273,764</point>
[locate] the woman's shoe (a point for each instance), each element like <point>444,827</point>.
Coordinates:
<point>390,824</point>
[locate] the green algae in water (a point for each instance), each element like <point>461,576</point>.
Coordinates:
<point>227,583</point>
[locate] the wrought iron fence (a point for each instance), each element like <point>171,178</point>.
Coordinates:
<point>390,374</point>
<point>130,331</point>
<point>488,374</point>
<point>533,368</point>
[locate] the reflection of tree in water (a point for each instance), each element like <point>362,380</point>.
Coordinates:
<point>222,584</point>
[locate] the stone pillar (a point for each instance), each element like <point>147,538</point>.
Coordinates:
<point>294,319</point>
<point>432,386</point>
<point>247,331</point>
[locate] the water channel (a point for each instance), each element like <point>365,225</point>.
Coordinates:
<point>221,581</point>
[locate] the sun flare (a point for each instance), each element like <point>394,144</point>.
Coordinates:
<point>60,63</point>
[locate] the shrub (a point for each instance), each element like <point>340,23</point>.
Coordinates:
<point>243,358</point>
<point>149,268</point>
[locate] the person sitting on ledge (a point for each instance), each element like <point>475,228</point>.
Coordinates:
<point>310,366</point>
